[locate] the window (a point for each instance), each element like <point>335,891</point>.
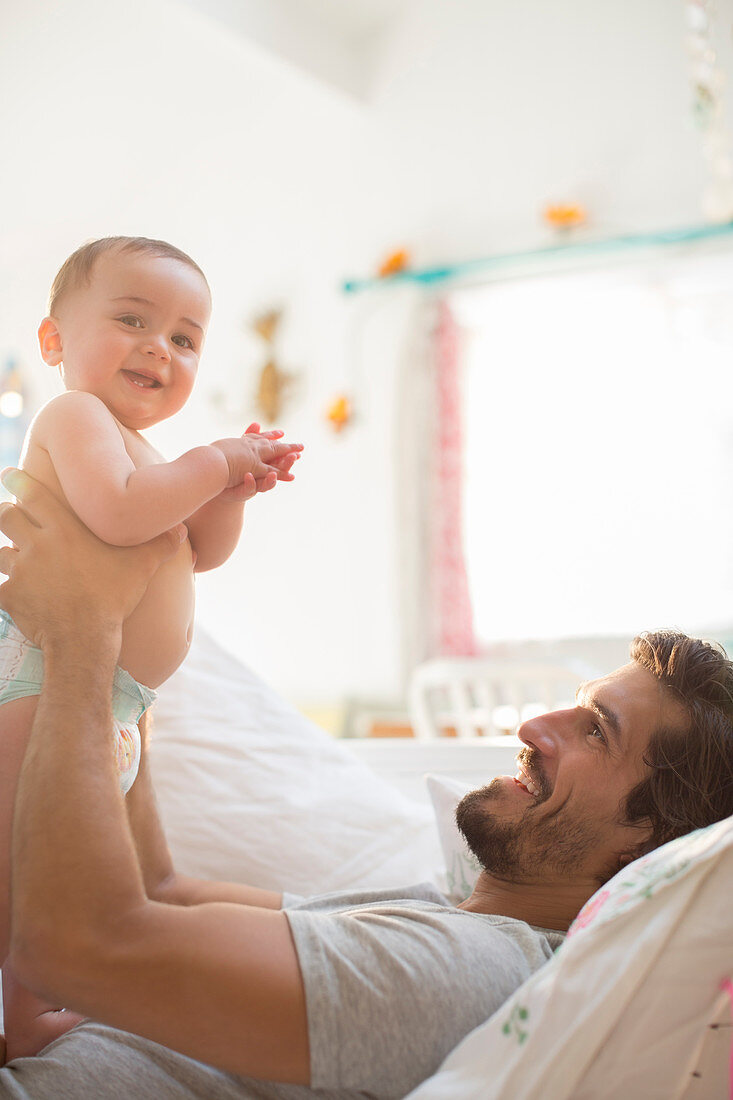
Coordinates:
<point>599,449</point>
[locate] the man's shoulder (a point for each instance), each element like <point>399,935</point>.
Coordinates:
<point>415,917</point>
<point>345,900</point>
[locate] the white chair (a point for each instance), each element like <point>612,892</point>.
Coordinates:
<point>477,697</point>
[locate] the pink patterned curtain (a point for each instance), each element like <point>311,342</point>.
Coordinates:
<point>452,633</point>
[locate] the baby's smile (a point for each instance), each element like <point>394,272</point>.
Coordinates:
<point>143,381</point>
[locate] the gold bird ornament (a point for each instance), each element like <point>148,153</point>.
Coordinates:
<point>273,384</point>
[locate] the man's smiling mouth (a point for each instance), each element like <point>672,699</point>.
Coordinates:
<point>523,779</point>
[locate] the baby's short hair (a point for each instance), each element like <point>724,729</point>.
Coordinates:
<point>77,269</point>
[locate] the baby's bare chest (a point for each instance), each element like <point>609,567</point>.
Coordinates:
<point>140,452</point>
<point>157,634</point>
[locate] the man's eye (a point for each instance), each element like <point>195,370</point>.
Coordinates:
<point>131,320</point>
<point>596,731</point>
<point>183,341</point>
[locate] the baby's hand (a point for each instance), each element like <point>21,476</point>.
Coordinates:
<point>255,453</point>
<point>269,460</point>
<point>282,465</point>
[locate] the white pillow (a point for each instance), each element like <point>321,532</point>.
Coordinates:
<point>461,866</point>
<point>250,791</point>
<point>622,1008</point>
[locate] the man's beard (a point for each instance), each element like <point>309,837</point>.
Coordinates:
<point>528,848</point>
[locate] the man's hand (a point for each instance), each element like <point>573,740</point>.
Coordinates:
<point>61,577</point>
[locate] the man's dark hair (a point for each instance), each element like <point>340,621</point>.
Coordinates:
<point>691,780</point>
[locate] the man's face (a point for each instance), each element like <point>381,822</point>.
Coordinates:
<point>133,336</point>
<point>560,818</point>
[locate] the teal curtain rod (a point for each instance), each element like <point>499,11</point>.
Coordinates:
<point>431,275</point>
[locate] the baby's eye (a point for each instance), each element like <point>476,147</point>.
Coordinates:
<point>183,341</point>
<point>131,320</point>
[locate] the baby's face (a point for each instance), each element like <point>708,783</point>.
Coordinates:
<point>134,336</point>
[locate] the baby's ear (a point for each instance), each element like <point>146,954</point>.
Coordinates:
<point>49,339</point>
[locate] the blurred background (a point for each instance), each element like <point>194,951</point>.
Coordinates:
<point>477,256</point>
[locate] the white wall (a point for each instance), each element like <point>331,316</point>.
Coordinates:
<point>151,119</point>
<point>496,108</point>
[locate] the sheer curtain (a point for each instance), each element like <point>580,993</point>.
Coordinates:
<point>435,603</point>
<point>598,449</point>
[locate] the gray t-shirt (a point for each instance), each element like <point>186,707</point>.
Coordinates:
<point>393,980</point>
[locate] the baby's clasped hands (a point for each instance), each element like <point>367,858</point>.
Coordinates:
<point>257,461</point>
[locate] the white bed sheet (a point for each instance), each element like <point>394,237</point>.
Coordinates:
<point>250,790</point>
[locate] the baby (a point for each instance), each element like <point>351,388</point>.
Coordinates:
<point>126,326</point>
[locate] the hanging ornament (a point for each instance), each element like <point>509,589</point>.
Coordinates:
<point>266,324</point>
<point>339,412</point>
<point>708,107</point>
<point>271,390</point>
<point>273,384</point>
<point>565,215</point>
<point>393,263</point>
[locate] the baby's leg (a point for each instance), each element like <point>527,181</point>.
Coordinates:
<point>30,1023</point>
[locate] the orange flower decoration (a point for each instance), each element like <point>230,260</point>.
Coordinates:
<point>565,215</point>
<point>395,262</point>
<point>339,412</point>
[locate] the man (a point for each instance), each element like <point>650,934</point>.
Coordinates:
<point>344,997</point>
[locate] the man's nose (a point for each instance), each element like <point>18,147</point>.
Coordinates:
<point>547,732</point>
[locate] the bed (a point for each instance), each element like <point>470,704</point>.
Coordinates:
<point>634,1004</point>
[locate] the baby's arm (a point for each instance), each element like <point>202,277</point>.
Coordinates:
<point>215,527</point>
<point>124,505</point>
<point>214,531</point>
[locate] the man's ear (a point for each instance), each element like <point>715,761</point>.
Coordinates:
<point>49,339</point>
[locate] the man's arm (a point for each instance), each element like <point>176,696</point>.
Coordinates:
<point>30,1023</point>
<point>162,882</point>
<point>216,981</point>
